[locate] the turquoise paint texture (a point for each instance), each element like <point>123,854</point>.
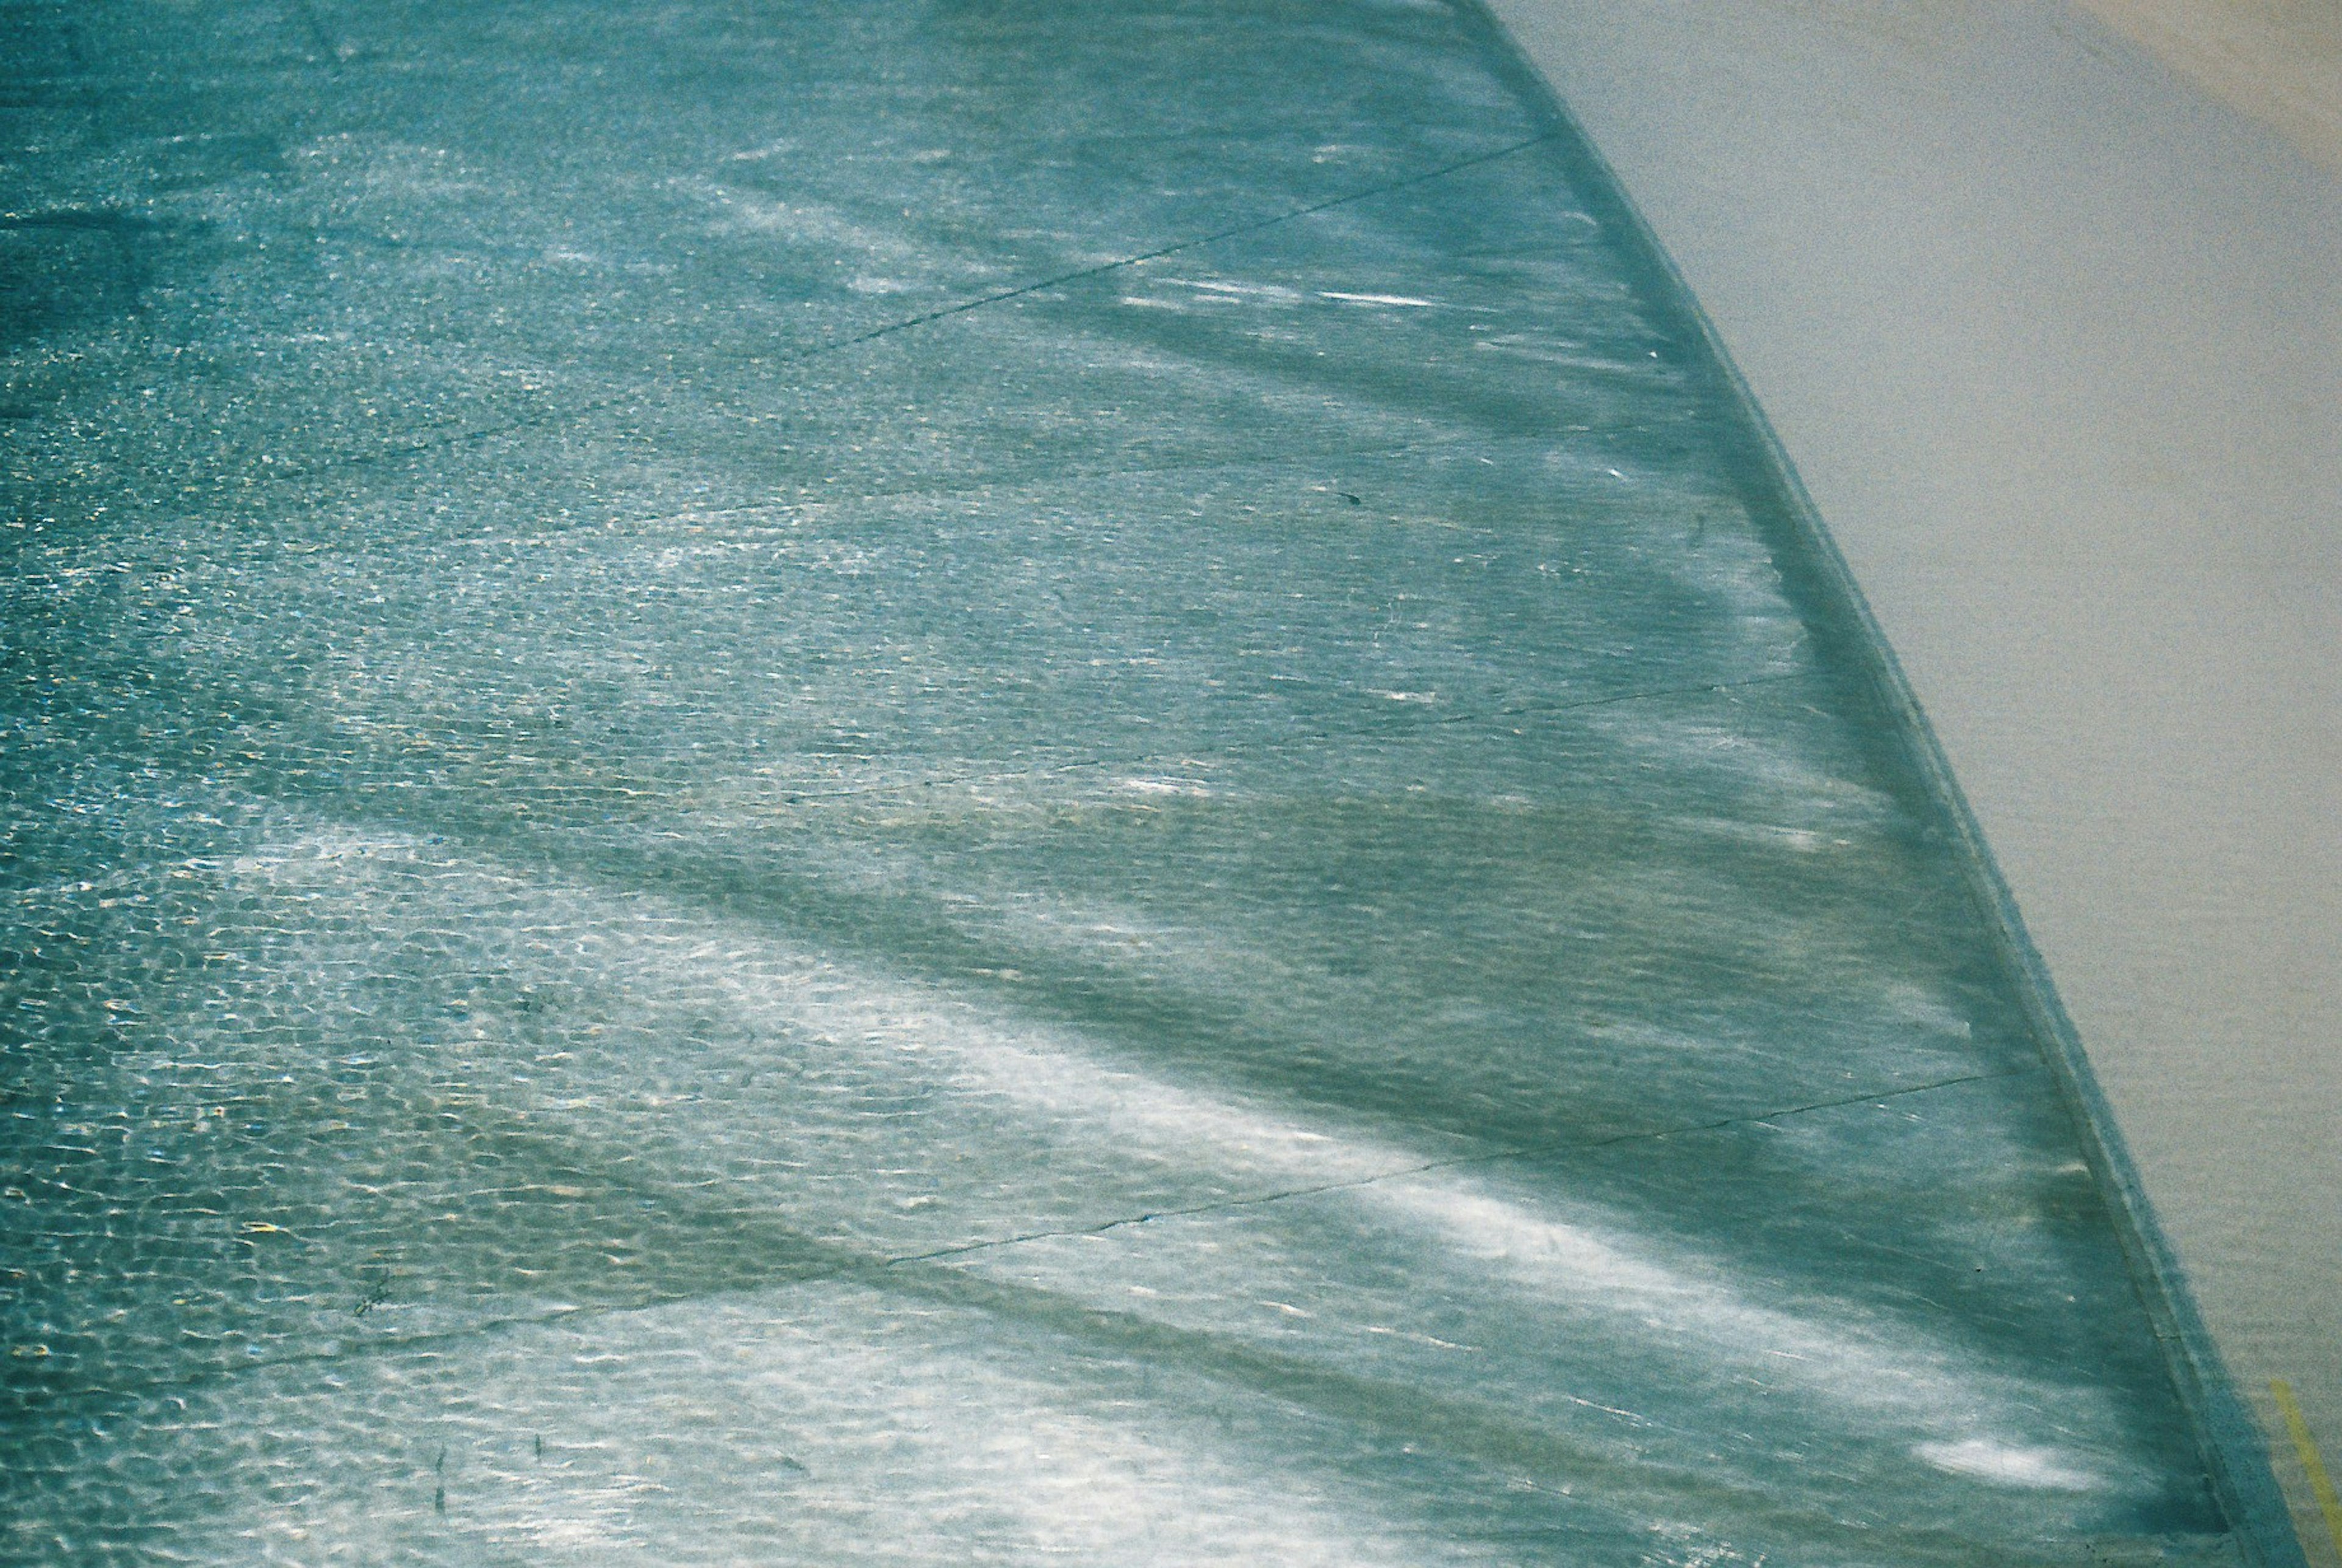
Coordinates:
<point>961,783</point>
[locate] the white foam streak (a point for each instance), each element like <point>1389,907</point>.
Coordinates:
<point>1685,1306</point>
<point>1058,1088</point>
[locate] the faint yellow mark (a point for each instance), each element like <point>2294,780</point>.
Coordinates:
<point>2321,1485</point>
<point>2278,61</point>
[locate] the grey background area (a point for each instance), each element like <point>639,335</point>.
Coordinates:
<point>2055,338</point>
<point>961,783</point>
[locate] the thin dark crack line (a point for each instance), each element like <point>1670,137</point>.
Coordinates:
<point>1254,226</point>
<point>399,1344</point>
<point>329,52</point>
<point>1460,1162</point>
<point>835,345</point>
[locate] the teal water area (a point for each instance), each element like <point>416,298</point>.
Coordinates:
<point>967,783</point>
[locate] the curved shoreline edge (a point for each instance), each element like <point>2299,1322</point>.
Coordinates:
<point>2236,1456</point>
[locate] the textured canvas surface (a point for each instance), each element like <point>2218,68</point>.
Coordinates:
<point>944,782</point>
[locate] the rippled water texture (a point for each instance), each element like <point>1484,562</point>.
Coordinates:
<point>725,846</point>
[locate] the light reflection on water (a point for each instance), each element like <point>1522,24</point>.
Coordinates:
<point>1242,908</point>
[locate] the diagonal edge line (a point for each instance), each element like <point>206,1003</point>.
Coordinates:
<point>834,345</point>
<point>1551,1150</point>
<point>1254,226</point>
<point>2230,1441</point>
<point>2313,1465</point>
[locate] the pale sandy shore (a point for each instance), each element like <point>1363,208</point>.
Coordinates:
<point>2277,61</point>
<point>2046,305</point>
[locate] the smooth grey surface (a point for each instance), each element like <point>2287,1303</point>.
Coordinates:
<point>726,845</point>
